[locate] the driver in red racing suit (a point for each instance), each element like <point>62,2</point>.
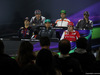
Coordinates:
<point>70,34</point>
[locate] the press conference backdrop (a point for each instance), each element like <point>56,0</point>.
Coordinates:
<point>13,12</point>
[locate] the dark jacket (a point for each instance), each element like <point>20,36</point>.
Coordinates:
<point>86,60</point>
<point>68,64</point>
<point>37,22</point>
<point>47,32</point>
<point>25,32</point>
<point>83,25</point>
<point>8,65</point>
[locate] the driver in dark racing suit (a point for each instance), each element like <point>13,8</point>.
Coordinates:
<point>47,30</point>
<point>85,23</point>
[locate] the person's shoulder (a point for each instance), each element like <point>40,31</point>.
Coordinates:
<point>33,17</point>
<point>66,31</point>
<point>74,31</point>
<point>21,28</point>
<point>80,20</point>
<point>43,17</point>
<point>91,21</point>
<point>7,58</point>
<point>67,19</point>
<point>58,19</point>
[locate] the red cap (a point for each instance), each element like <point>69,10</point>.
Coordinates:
<point>71,23</point>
